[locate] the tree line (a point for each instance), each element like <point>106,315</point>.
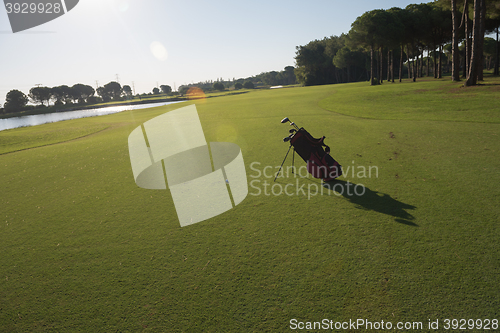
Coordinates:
<point>81,94</point>
<point>264,79</point>
<point>412,42</point>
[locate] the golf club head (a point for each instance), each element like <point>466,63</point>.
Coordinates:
<point>286,139</point>
<point>284,120</point>
<point>293,130</point>
<point>292,124</point>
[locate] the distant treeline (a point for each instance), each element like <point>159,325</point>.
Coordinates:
<point>266,79</point>
<point>419,40</point>
<point>81,94</point>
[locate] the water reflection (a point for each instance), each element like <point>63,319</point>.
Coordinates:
<point>39,119</point>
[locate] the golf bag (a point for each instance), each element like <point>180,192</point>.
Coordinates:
<point>319,162</point>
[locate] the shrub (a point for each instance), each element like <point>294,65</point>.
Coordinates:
<point>219,86</point>
<point>248,85</point>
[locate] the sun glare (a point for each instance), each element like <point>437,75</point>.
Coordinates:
<point>195,93</point>
<point>159,51</point>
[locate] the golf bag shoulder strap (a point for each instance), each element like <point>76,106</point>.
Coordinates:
<point>311,139</point>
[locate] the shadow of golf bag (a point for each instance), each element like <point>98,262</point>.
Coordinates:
<point>314,152</point>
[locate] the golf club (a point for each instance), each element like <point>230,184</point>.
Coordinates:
<point>284,120</point>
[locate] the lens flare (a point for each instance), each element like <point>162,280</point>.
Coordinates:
<point>159,51</point>
<point>195,93</point>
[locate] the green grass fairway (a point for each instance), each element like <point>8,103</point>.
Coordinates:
<point>83,249</point>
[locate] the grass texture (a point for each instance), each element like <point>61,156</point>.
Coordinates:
<point>83,249</point>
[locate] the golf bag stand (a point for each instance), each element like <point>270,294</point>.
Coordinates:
<point>285,160</point>
<point>293,161</point>
<point>319,162</point>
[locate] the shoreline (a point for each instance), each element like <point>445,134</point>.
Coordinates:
<point>76,107</point>
<point>100,106</point>
<point>52,109</point>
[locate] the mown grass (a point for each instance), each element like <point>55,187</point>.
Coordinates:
<point>44,135</point>
<point>84,249</point>
<point>432,100</point>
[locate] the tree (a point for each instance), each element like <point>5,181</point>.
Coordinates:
<point>127,91</point>
<point>82,92</point>
<point>374,30</point>
<point>238,85</point>
<point>362,35</point>
<point>40,95</point>
<point>477,43</point>
<point>442,24</point>
<point>418,32</point>
<point>346,58</point>
<point>489,51</point>
<point>248,85</point>
<point>183,89</point>
<point>166,89</point>
<point>61,94</point>
<point>156,91</point>
<point>113,90</point>
<point>269,78</point>
<point>219,86</point>
<point>94,100</point>
<point>101,91</point>
<point>314,61</point>
<point>396,31</point>
<point>15,100</point>
<point>455,53</point>
<point>492,25</point>
<point>288,75</point>
<point>467,42</point>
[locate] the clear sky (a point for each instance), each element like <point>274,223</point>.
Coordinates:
<point>173,42</point>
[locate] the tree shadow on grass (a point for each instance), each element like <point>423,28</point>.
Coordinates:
<point>367,199</point>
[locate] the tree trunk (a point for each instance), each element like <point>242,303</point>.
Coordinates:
<point>419,65</point>
<point>408,56</point>
<point>413,69</point>
<point>401,63</point>
<point>422,60</point>
<point>467,38</point>
<point>464,63</point>
<point>388,65</point>
<point>435,63</point>
<point>440,64</point>
<point>495,71</point>
<point>482,28</point>
<point>381,69</point>
<point>455,55</point>
<point>372,81</point>
<point>392,66</point>
<point>475,58</point>
<point>427,69</point>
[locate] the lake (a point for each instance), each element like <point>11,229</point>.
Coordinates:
<point>39,119</point>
